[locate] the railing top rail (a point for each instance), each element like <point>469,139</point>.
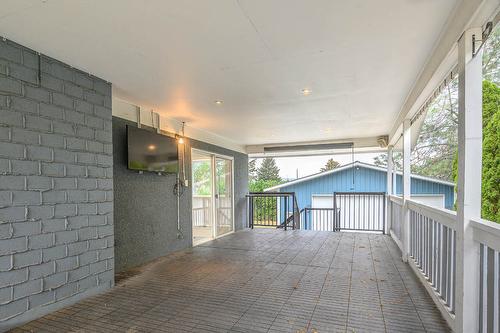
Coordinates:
<point>359,193</point>
<point>396,199</point>
<point>441,215</point>
<point>270,194</point>
<point>487,233</point>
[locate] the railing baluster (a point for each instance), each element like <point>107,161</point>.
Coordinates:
<point>431,250</point>
<point>496,292</point>
<point>349,201</point>
<point>434,253</point>
<point>440,258</point>
<point>490,286</point>
<point>359,217</point>
<point>419,239</point>
<point>369,218</point>
<point>454,265</point>
<point>482,290</point>
<point>379,202</point>
<point>444,288</point>
<point>450,268</point>
<point>412,233</point>
<point>252,211</point>
<point>422,241</point>
<point>427,246</point>
<point>426,249</point>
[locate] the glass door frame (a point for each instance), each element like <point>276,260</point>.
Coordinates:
<point>213,157</point>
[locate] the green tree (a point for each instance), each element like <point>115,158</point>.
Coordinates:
<point>437,143</point>
<point>330,165</point>
<point>202,178</point>
<point>433,154</point>
<point>252,169</point>
<point>268,170</point>
<point>397,160</point>
<point>222,174</point>
<point>267,175</point>
<point>490,204</point>
<point>491,57</point>
<point>260,185</point>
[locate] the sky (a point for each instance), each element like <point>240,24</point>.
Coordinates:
<point>307,165</point>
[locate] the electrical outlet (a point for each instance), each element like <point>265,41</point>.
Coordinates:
<point>186,182</point>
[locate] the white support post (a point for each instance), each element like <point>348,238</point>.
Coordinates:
<point>388,211</point>
<point>394,178</point>
<point>390,170</point>
<point>469,181</point>
<point>406,187</point>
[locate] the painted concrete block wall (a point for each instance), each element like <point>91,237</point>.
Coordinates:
<point>56,185</point>
<point>146,207</point>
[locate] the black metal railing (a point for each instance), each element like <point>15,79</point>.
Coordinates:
<point>320,219</point>
<point>293,217</point>
<point>355,211</point>
<point>360,211</point>
<point>273,209</point>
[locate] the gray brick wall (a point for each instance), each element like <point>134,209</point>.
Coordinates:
<point>56,182</point>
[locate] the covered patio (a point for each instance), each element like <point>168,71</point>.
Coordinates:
<point>263,280</point>
<point>234,80</point>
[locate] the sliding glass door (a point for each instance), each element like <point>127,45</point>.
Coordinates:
<point>223,196</point>
<point>212,179</point>
<point>203,222</point>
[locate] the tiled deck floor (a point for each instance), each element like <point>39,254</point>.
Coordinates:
<point>263,281</point>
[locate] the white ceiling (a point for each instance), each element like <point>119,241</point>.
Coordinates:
<point>360,59</point>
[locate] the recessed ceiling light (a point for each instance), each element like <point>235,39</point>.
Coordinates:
<point>218,102</point>
<point>306,91</point>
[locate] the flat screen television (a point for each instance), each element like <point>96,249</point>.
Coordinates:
<point>149,151</point>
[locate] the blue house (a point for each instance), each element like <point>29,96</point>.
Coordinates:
<point>316,191</point>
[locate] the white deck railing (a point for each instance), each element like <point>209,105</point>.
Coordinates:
<point>432,237</point>
<point>201,210</point>
<point>487,234</point>
<point>395,214</point>
<point>432,248</point>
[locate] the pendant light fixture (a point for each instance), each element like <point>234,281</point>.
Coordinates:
<point>180,138</point>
